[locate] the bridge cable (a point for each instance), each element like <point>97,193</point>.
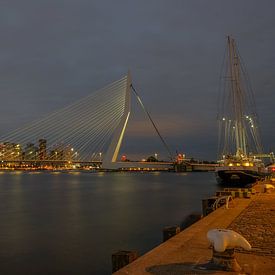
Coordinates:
<point>85,126</point>
<point>151,120</point>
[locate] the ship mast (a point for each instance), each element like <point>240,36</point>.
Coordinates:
<point>238,120</point>
<point>237,98</point>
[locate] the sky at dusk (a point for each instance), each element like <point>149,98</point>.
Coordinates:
<point>55,52</point>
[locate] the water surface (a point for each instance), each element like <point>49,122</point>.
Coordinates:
<point>71,223</point>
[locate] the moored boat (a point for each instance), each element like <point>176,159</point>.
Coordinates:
<point>239,171</point>
<point>239,139</point>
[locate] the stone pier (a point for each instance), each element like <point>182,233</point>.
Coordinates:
<point>189,252</point>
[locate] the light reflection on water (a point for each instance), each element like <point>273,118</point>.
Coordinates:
<point>71,223</point>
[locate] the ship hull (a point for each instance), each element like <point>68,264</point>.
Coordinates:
<point>237,177</point>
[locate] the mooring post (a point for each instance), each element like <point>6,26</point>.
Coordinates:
<point>207,205</point>
<point>225,260</point>
<point>190,219</point>
<point>224,242</point>
<point>170,231</point>
<point>122,258</point>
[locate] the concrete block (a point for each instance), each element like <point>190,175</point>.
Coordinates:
<point>247,195</point>
<point>190,219</point>
<point>170,231</point>
<point>122,258</point>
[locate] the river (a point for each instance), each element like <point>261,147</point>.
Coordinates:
<point>71,223</point>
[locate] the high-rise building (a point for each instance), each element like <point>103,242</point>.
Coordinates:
<point>31,151</point>
<point>17,152</point>
<point>42,150</point>
<point>2,151</point>
<point>10,151</point>
<point>57,153</point>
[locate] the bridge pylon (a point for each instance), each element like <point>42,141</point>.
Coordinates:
<point>110,158</point>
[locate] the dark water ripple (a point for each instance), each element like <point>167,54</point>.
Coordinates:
<point>57,223</point>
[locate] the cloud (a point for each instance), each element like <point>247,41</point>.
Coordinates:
<point>55,52</point>
<point>171,125</point>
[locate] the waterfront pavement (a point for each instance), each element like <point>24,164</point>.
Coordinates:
<point>189,251</point>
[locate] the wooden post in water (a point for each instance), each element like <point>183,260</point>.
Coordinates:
<point>122,258</point>
<point>190,219</point>
<point>207,205</point>
<point>170,231</point>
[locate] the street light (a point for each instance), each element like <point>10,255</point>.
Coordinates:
<point>100,154</point>
<point>156,156</point>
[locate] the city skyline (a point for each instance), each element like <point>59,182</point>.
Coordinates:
<point>54,53</point>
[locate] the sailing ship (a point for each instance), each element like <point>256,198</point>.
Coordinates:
<point>239,139</point>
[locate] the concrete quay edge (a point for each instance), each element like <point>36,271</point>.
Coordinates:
<point>188,248</point>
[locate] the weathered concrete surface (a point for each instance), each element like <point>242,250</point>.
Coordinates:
<point>189,251</point>
<point>257,224</point>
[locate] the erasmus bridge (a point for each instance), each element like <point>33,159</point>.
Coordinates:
<point>87,132</point>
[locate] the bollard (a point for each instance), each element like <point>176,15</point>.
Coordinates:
<point>224,242</point>
<point>169,232</point>
<point>225,260</point>
<point>122,258</point>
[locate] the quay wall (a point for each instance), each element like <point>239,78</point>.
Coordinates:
<point>190,248</point>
